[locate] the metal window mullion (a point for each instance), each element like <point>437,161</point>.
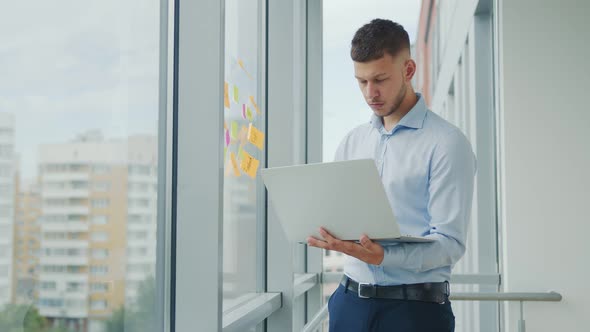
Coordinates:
<point>198,217</point>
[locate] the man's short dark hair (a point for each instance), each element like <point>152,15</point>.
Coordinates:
<point>378,37</point>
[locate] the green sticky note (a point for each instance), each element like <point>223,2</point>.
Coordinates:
<point>234,130</point>
<point>224,155</point>
<point>241,153</point>
<point>236,94</point>
<point>249,113</point>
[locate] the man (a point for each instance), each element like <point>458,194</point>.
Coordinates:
<point>427,167</point>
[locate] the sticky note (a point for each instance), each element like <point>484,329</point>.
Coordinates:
<point>255,105</point>
<point>236,94</point>
<point>244,111</point>
<point>241,63</point>
<point>227,138</point>
<point>249,165</point>
<point>234,164</point>
<point>234,130</point>
<point>256,137</point>
<point>224,155</point>
<point>240,153</point>
<point>225,125</point>
<point>226,95</point>
<point>243,135</point>
<point>248,113</point>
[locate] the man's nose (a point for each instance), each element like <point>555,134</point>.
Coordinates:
<point>372,91</point>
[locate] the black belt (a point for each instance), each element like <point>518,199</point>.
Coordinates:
<point>437,292</point>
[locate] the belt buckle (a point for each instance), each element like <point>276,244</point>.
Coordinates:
<point>363,285</point>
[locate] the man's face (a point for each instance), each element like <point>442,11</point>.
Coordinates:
<point>382,83</point>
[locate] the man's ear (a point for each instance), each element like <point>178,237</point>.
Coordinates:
<point>410,70</point>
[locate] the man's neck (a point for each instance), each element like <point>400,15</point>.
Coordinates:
<point>404,108</point>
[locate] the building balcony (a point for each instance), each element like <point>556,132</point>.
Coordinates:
<point>65,226</point>
<point>61,210</point>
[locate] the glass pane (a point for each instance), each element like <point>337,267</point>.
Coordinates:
<point>244,131</point>
<point>344,106</point>
<point>78,165</point>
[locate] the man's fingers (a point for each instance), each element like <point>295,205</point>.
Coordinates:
<point>312,241</point>
<point>367,243</point>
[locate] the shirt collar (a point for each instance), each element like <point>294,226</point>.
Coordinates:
<point>413,119</point>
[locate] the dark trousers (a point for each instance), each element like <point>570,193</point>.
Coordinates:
<point>349,313</point>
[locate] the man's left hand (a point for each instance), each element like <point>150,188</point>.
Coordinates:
<point>367,251</point>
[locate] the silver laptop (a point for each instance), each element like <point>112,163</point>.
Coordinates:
<point>347,198</point>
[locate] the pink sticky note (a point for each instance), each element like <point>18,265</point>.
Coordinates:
<point>244,111</point>
<point>227,139</point>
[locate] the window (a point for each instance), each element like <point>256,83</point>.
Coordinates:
<point>102,186</point>
<point>48,285</point>
<point>100,270</point>
<point>54,235</point>
<point>100,219</point>
<point>98,305</point>
<point>244,147</point>
<point>99,287</point>
<point>75,138</point>
<point>99,236</point>
<point>100,253</point>
<point>138,235</point>
<point>73,287</point>
<point>100,203</point>
<point>101,169</point>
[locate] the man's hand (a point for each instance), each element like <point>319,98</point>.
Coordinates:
<point>367,251</point>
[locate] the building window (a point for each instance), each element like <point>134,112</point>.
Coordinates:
<point>99,287</point>
<point>99,236</point>
<point>100,203</point>
<point>102,186</point>
<point>99,270</point>
<point>100,253</point>
<point>98,305</point>
<point>100,220</point>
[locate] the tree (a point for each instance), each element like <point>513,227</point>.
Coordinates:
<point>138,316</point>
<point>24,318</point>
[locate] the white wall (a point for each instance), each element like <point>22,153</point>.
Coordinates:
<point>545,158</point>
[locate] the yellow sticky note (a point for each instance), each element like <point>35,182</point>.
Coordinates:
<point>234,164</point>
<point>236,94</point>
<point>226,95</point>
<point>249,165</point>
<point>256,137</point>
<point>234,130</point>
<point>243,135</point>
<point>255,105</point>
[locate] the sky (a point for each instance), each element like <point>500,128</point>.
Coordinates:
<point>69,66</point>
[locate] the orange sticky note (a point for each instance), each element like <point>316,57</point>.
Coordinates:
<point>234,164</point>
<point>226,95</point>
<point>255,105</point>
<point>256,137</point>
<point>249,165</point>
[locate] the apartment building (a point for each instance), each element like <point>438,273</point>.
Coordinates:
<point>6,205</point>
<point>27,239</point>
<point>98,228</point>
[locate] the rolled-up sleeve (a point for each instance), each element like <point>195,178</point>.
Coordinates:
<point>450,189</point>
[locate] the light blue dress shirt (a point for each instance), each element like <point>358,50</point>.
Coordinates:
<point>427,167</point>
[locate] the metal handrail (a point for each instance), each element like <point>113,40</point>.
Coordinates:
<point>521,297</point>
